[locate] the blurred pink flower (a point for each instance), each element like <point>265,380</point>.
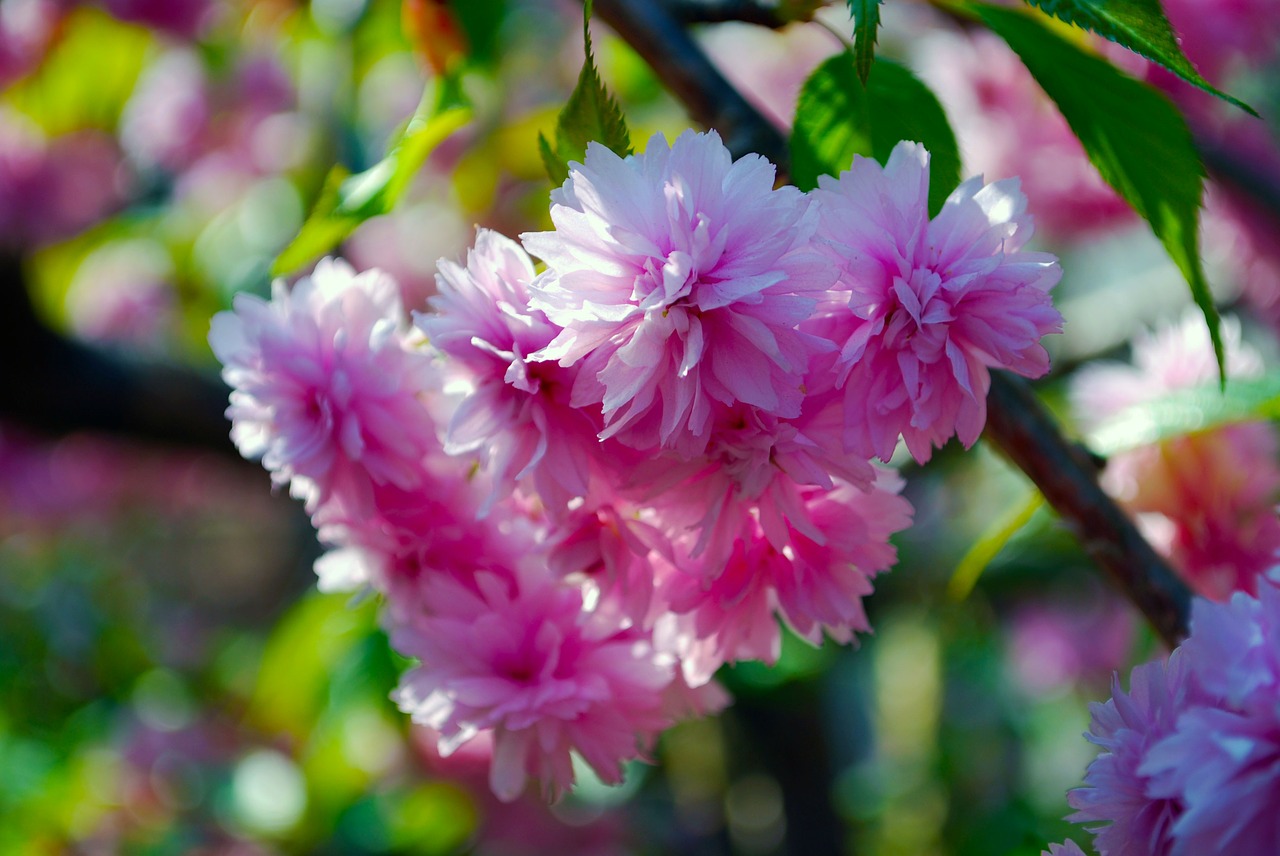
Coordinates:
<point>166,121</point>
<point>122,294</point>
<point>781,61</point>
<point>1167,358</point>
<point>324,385</point>
<point>679,277</point>
<point>523,659</point>
<point>1224,37</point>
<point>26,28</point>
<point>185,18</point>
<point>1008,127</point>
<point>931,305</point>
<point>52,188</point>
<point>1206,500</point>
<point>1053,644</point>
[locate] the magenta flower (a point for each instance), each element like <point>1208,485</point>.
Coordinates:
<point>324,386</point>
<point>679,277</point>
<point>525,661</point>
<point>814,580</point>
<point>515,413</point>
<point>931,305</point>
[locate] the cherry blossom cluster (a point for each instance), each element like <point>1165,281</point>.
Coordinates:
<point>1190,759</point>
<point>583,489</point>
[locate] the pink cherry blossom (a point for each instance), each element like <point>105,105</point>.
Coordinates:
<point>524,661</point>
<point>1169,357</point>
<point>609,549</point>
<point>932,305</point>
<point>1206,500</point>
<point>1223,761</point>
<point>1008,127</point>
<point>679,277</point>
<point>515,413</point>
<point>1128,822</point>
<point>1191,760</point>
<point>324,386</point>
<point>814,580</point>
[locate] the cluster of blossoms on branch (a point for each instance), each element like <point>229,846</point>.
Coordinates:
<point>583,490</point>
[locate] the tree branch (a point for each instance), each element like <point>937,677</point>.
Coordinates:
<point>721,11</point>
<point>58,385</point>
<point>1066,474</point>
<point>1016,421</point>
<point>692,78</point>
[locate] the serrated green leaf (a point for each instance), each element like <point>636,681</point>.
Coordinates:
<point>1186,411</point>
<point>590,115</point>
<point>557,168</point>
<point>837,118</point>
<point>348,200</point>
<point>990,543</point>
<point>1140,26</point>
<point>1133,134</point>
<point>866,23</point>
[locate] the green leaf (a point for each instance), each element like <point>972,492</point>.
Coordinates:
<point>557,168</point>
<point>299,659</point>
<point>1186,411</point>
<point>348,200</point>
<point>1133,134</point>
<point>482,21</point>
<point>590,115</point>
<point>990,543</point>
<point>866,21</point>
<point>837,118</point>
<point>1140,26</point>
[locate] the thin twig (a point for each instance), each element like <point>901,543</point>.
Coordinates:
<point>1016,421</point>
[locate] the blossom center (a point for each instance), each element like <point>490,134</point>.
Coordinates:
<point>915,304</point>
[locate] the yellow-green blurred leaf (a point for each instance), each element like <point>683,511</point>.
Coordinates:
<point>990,543</point>
<point>88,76</point>
<point>299,658</point>
<point>348,200</point>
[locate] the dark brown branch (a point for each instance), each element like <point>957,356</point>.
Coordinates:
<point>1016,421</point>
<point>720,11</point>
<point>57,385</point>
<point>1064,472</point>
<point>711,100</point>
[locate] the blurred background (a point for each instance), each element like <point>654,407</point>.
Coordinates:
<point>170,680</point>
